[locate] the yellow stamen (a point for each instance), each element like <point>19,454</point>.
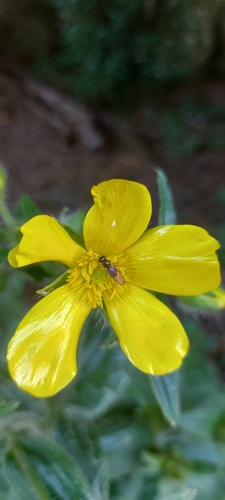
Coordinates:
<point>90,275</point>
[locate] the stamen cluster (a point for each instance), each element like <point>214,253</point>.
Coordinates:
<point>90,276</point>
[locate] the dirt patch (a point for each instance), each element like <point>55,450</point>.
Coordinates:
<point>53,166</point>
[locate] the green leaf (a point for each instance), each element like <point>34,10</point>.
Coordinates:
<point>202,420</point>
<point>192,449</point>
<point>26,208</point>
<point>41,469</point>
<point>74,220</point>
<point>44,270</point>
<point>82,440</point>
<point>165,388</point>
<point>4,275</point>
<point>3,255</point>
<point>77,237</point>
<point>188,494</point>
<point>22,477</point>
<point>3,234</point>
<point>6,408</point>
<point>167,213</point>
<point>37,272</point>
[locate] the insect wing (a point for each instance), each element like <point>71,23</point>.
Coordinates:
<point>119,278</point>
<point>114,273</point>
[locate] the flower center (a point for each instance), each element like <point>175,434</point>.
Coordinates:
<point>94,278</point>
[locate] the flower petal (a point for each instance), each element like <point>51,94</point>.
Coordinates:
<point>42,353</point>
<point>178,260</point>
<point>44,239</point>
<point>120,214</point>
<point>149,333</point>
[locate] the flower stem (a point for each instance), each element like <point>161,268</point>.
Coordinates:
<point>5,214</point>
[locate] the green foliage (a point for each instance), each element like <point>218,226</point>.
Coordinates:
<point>192,126</point>
<point>214,300</point>
<point>106,48</point>
<point>111,50</point>
<point>104,435</point>
<point>46,469</point>
<point>221,228</point>
<point>166,390</point>
<point>25,209</point>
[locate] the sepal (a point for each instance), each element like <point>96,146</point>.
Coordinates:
<point>61,280</point>
<point>213,300</point>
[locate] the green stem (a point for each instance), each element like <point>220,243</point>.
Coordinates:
<point>6,215</point>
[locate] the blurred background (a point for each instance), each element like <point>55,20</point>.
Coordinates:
<point>92,90</point>
<point>95,89</point>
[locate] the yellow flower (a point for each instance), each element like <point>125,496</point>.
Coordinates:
<point>178,260</point>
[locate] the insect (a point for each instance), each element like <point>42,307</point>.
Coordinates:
<point>113,272</point>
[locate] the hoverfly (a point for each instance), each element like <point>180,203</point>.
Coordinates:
<point>112,270</point>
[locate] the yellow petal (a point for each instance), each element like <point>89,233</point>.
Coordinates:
<point>120,214</point>
<point>12,256</point>
<point>44,239</point>
<point>150,335</point>
<point>178,260</point>
<point>42,353</point>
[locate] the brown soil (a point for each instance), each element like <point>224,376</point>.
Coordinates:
<point>51,164</point>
